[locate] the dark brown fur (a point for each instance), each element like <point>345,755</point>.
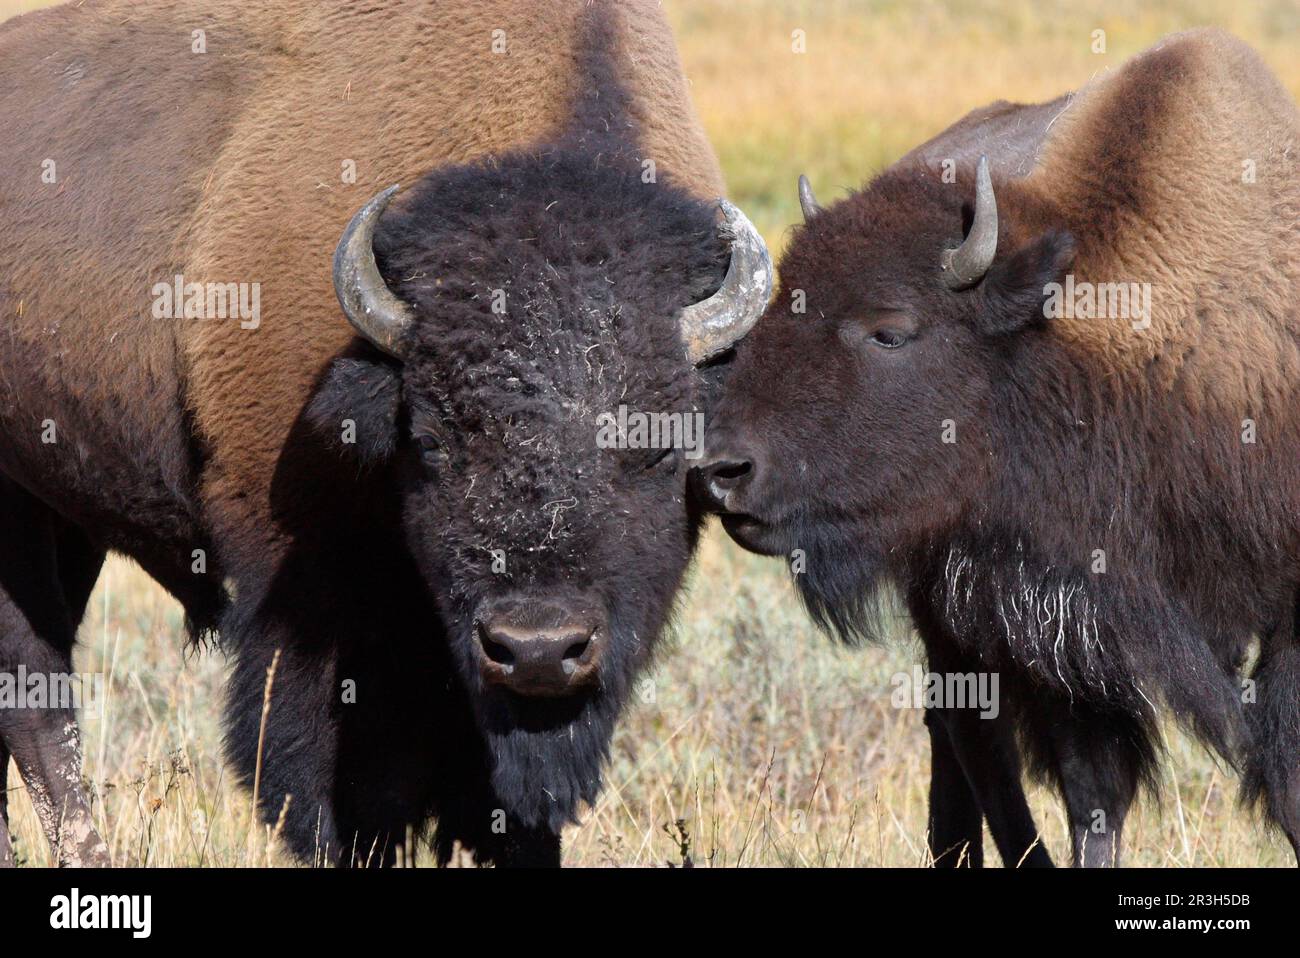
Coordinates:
<point>1071,434</point>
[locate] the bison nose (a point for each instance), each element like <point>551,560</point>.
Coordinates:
<point>721,479</point>
<point>551,661</point>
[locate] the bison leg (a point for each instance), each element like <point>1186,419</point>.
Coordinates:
<point>1273,765</point>
<point>38,621</point>
<point>984,750</point>
<point>956,826</point>
<point>46,747</point>
<point>1099,761</point>
<point>48,754</point>
<point>6,847</point>
<point>987,752</point>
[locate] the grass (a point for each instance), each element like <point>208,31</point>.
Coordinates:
<point>764,743</point>
<point>770,744</point>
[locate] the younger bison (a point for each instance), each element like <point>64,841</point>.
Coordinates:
<point>1059,408</point>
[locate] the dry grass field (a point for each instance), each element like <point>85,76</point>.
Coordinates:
<point>765,744</point>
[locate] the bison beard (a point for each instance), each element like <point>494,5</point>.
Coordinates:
<point>547,757</point>
<point>842,582</point>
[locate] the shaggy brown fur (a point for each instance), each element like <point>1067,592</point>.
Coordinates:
<point>175,436</point>
<point>1071,434</point>
<point>244,184</point>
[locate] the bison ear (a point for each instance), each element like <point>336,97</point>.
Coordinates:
<point>354,409</point>
<point>1015,289</point>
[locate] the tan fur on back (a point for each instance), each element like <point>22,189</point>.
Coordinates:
<point>1151,159</point>
<point>227,166</point>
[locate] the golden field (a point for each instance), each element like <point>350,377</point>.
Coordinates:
<point>771,745</point>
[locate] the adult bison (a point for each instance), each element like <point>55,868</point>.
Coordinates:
<point>413,512</point>
<point>1103,508</point>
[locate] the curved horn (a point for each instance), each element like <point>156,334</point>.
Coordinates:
<point>966,265</point>
<point>722,320</point>
<point>807,202</point>
<point>367,301</point>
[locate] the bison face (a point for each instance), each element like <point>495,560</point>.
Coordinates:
<point>528,311</point>
<point>857,420</point>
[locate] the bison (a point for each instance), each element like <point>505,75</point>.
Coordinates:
<point>401,526</point>
<point>1054,401</point>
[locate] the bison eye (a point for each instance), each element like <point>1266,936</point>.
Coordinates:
<point>888,338</point>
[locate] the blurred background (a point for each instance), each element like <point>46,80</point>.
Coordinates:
<point>881,76</point>
<point>760,742</point>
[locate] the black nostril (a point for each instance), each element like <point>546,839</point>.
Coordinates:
<point>573,656</point>
<point>726,475</point>
<point>497,651</point>
<point>731,470</point>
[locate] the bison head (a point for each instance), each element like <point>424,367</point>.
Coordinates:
<point>858,419</point>
<point>508,310</point>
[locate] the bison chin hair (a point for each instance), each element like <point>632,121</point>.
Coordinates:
<point>842,583</point>
<point>547,756</point>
